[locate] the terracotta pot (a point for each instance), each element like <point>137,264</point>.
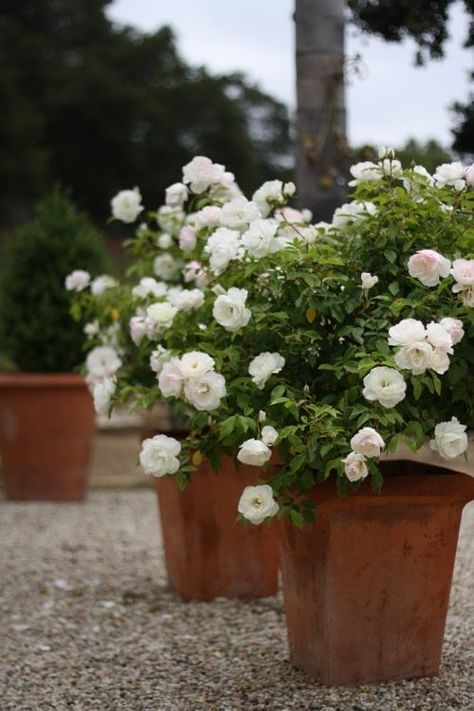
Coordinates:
<point>208,553</point>
<point>367,586</point>
<point>46,434</point>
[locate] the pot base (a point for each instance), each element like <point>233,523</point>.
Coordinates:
<point>367,586</point>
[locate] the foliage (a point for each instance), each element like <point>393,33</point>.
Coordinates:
<point>91,104</point>
<point>36,329</point>
<point>429,154</point>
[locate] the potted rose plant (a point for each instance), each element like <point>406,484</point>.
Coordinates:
<point>317,351</point>
<point>177,251</point>
<point>46,413</point>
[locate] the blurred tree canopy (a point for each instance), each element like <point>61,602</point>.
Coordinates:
<point>424,21</point>
<point>99,107</point>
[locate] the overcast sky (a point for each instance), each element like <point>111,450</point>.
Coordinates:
<point>394,101</point>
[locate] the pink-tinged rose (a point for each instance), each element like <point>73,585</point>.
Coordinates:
<point>170,380</point>
<point>187,239</point>
<point>355,466</point>
<point>454,327</point>
<point>137,329</point>
<point>368,442</point>
<point>463,272</point>
<point>428,266</point>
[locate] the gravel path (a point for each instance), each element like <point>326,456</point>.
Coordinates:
<point>87,622</point>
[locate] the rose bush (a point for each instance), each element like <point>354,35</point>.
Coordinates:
<point>330,343</point>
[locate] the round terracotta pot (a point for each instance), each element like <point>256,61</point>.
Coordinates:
<point>366,588</point>
<point>46,434</point>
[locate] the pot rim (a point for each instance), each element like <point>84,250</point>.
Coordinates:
<point>41,380</point>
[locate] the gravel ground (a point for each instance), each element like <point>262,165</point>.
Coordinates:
<point>87,622</point>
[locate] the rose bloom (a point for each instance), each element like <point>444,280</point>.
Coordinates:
<point>189,299</point>
<point>416,357</point>
<point>257,503</point>
<point>451,174</point>
<point>469,175</point>
<point>450,439</point>
<point>223,246</point>
<point>206,391</point>
<point>209,216</point>
<point>230,310</point>
<point>102,362</point>
<point>187,239</point>
<point>158,358</point>
<point>269,435</point>
<point>439,337</point>
<point>201,173</point>
<point>171,380</point>
<point>166,267</point>
<point>126,205</point>
<point>254,452</point>
<point>137,329</point>
<point>238,213</point>
<point>368,442</point>
<point>265,365</point>
<point>385,385</point>
<point>408,331</point>
<point>439,361</point>
<point>102,283</point>
<point>195,364</point>
<point>261,238</point>
<point>269,195</point>
<point>159,317</point>
<point>149,287</point>
<point>159,455</point>
<point>463,272</point>
<point>176,195</point>
<point>165,241</point>
<point>428,266</point>
<point>365,171</point>
<point>368,281</point>
<point>102,394</point>
<point>454,327</point>
<point>355,466</point>
<point>77,280</point>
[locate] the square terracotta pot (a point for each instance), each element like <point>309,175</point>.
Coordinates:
<point>208,553</point>
<point>367,586</point>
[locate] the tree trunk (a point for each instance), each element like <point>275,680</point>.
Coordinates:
<point>321,118</point>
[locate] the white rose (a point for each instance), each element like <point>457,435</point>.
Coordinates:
<point>192,271</point>
<point>368,281</point>
<point>257,503</point>
<point>166,267</point>
<point>102,362</point>
<point>463,273</point>
<point>428,266</point>
<point>137,329</point>
<point>254,452</point>
<point>238,213</point>
<point>406,332</point>
<point>170,380</point>
<point>159,455</point>
<point>195,364</point>
<point>454,327</point>
<point>170,219</point>
<point>260,239</point>
<point>176,195</point>
<point>102,394</point>
<point>439,337</point>
<point>262,416</point>
<point>391,167</point>
<point>368,442</point>
<point>355,466</point>
<point>223,246</point>
<point>451,174</point>
<point>230,310</point>
<point>189,299</point>
<point>201,173</point>
<point>385,385</point>
<point>350,212</point>
<point>165,241</point>
<point>173,295</point>
<point>102,283</point>
<point>187,239</point>
<point>158,358</point>
<point>159,317</point>
<point>416,357</point>
<point>149,287</point>
<point>77,280</point>
<point>469,175</point>
<point>450,439</point>
<point>269,195</point>
<point>209,216</point>
<point>386,152</point>
<point>439,361</point>
<point>126,205</point>
<point>263,366</point>
<point>418,178</point>
<point>365,171</point>
<point>92,329</point>
<point>206,391</point>
<point>269,435</point>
